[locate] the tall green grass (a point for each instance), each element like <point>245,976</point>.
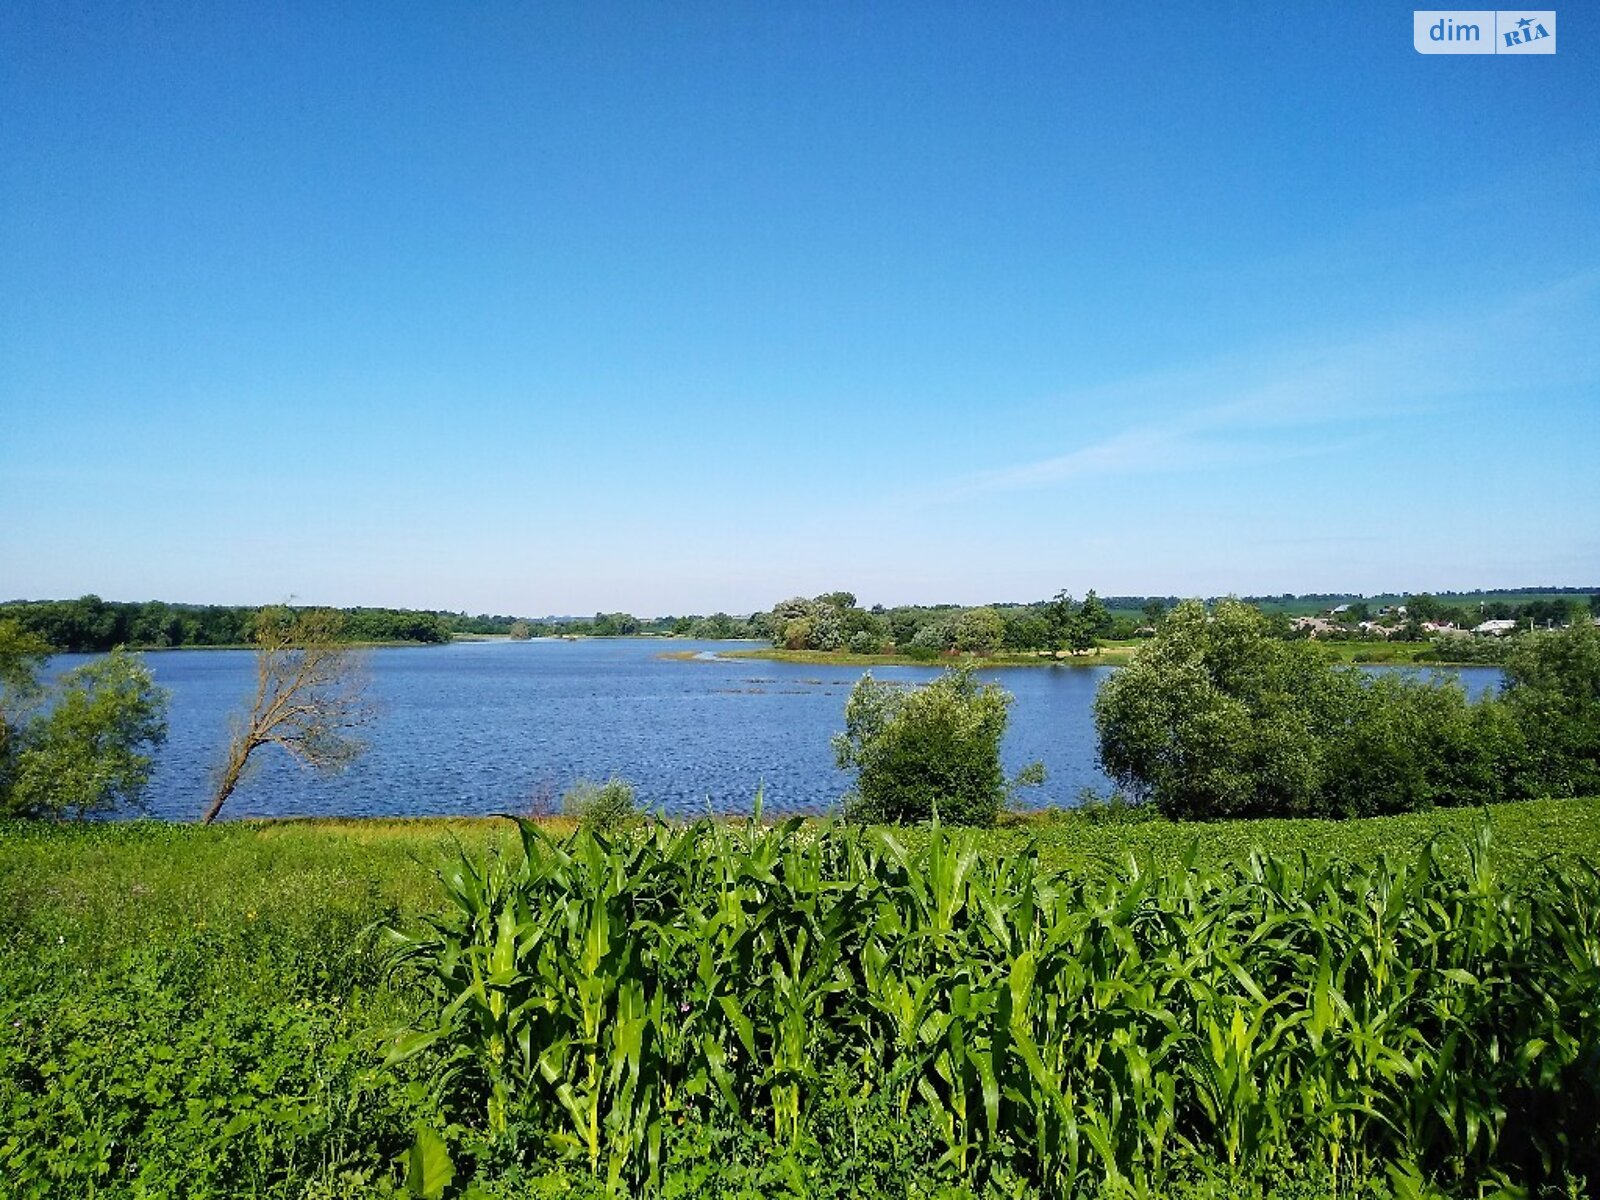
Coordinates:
<point>1424,1017</point>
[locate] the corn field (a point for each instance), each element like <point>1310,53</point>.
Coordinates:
<point>1422,1017</point>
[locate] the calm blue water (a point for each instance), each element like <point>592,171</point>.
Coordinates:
<point>485,727</point>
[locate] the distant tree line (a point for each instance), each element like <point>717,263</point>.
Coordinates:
<point>90,624</point>
<point>834,621</point>
<point>718,626</point>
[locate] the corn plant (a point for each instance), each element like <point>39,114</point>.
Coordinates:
<point>1418,1012</point>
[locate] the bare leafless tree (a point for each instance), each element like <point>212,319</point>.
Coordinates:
<point>310,697</point>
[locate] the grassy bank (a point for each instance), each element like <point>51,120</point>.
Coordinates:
<point>196,1012</point>
<point>1397,653</point>
<point>1113,654</point>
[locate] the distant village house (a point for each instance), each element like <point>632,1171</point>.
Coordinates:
<point>1497,628</point>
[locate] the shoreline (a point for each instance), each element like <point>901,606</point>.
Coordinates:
<point>1114,656</point>
<point>1360,654</point>
<point>1134,822</point>
<point>1356,654</point>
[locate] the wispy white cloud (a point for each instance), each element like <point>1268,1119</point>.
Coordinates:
<point>1280,404</point>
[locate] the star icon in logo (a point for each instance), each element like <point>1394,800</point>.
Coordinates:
<point>1525,22</point>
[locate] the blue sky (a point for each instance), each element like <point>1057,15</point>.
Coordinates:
<point>662,308</point>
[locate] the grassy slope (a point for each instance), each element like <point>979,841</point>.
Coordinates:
<point>115,884</point>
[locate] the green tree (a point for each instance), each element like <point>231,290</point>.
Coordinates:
<point>864,642</point>
<point>827,628</point>
<point>927,748</point>
<point>801,624</point>
<point>1215,718</point>
<point>22,653</point>
<point>1218,718</point>
<point>1423,607</point>
<point>1409,744</point>
<point>1096,615</point>
<point>903,626</point>
<point>785,613</point>
<point>91,750</point>
<point>1553,692</point>
<point>1088,624</point>
<point>1026,629</point>
<point>797,633</point>
<point>605,625</point>
<point>978,630</point>
<point>716,626</point>
<point>859,620</point>
<point>1058,613</point>
<point>519,631</point>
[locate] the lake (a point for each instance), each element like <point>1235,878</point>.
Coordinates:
<point>486,727</point>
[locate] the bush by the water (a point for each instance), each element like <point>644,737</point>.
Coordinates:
<point>1218,718</point>
<point>601,807</point>
<point>1553,693</point>
<point>927,750</point>
<point>82,746</point>
<point>1465,648</point>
